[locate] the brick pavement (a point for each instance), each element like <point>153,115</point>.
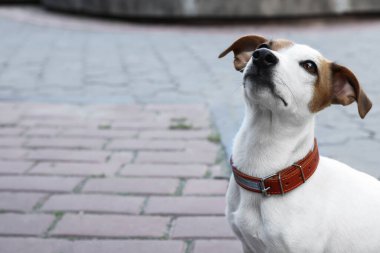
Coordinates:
<point>52,57</point>
<point>110,190</point>
<point>72,176</point>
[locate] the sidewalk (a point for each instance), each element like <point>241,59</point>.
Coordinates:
<point>111,179</point>
<point>48,57</point>
<point>131,170</point>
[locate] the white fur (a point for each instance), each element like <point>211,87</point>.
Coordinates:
<point>336,210</point>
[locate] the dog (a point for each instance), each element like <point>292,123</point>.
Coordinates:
<point>283,196</point>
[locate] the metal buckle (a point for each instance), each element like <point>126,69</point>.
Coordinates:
<point>264,190</point>
<point>279,180</point>
<point>301,169</point>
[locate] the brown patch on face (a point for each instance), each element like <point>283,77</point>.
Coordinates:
<point>323,90</point>
<point>279,44</point>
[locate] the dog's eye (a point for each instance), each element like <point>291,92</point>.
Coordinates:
<point>310,67</point>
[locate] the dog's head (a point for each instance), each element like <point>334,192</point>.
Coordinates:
<point>283,76</point>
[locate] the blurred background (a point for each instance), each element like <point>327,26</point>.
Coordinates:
<point>164,41</point>
<point>118,113</point>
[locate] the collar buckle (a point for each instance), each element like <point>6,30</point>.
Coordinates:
<point>301,169</point>
<point>264,190</point>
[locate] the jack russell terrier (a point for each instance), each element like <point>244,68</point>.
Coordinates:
<point>282,196</point>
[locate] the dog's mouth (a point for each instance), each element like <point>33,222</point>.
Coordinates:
<point>279,97</point>
<point>257,83</point>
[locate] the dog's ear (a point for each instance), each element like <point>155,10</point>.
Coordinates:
<point>346,89</point>
<point>243,48</point>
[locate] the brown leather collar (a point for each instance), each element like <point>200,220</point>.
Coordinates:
<point>283,181</point>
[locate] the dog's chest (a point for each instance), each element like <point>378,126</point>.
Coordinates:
<point>253,222</point>
<point>268,224</point>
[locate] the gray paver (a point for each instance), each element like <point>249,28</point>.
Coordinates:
<point>220,246</point>
<point>115,246</point>
<point>24,224</point>
<point>11,201</point>
<point>186,205</point>
<point>94,203</point>
<point>34,245</point>
<point>164,170</point>
<point>132,185</point>
<point>204,227</point>
<point>111,226</point>
<point>75,169</point>
<point>14,167</point>
<point>44,184</point>
<point>67,155</point>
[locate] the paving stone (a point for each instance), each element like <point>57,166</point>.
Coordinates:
<point>34,245</point>
<point>176,108</point>
<point>191,113</point>
<point>52,111</point>
<point>176,157</point>
<point>132,185</point>
<point>37,183</point>
<point>175,134</point>
<point>202,145</point>
<point>10,131</point>
<point>360,150</point>
<point>46,121</point>
<point>11,201</point>
<point>138,246</point>
<point>121,157</point>
<point>14,167</point>
<point>186,205</point>
<point>164,170</point>
<point>66,122</point>
<point>12,153</point>
<point>24,224</point>
<point>138,144</point>
<point>201,227</point>
<point>65,143</point>
<point>120,112</point>
<point>99,133</point>
<point>220,246</point>
<point>9,118</point>
<point>75,169</point>
<point>42,132</point>
<point>94,203</point>
<point>147,123</point>
<point>219,172</point>
<point>205,187</point>
<point>10,141</point>
<point>67,155</point>
<point>111,226</point>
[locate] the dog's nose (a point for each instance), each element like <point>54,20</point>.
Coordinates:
<point>264,58</point>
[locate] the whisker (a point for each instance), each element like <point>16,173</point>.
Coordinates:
<point>290,90</point>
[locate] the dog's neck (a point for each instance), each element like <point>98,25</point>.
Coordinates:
<point>267,142</point>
